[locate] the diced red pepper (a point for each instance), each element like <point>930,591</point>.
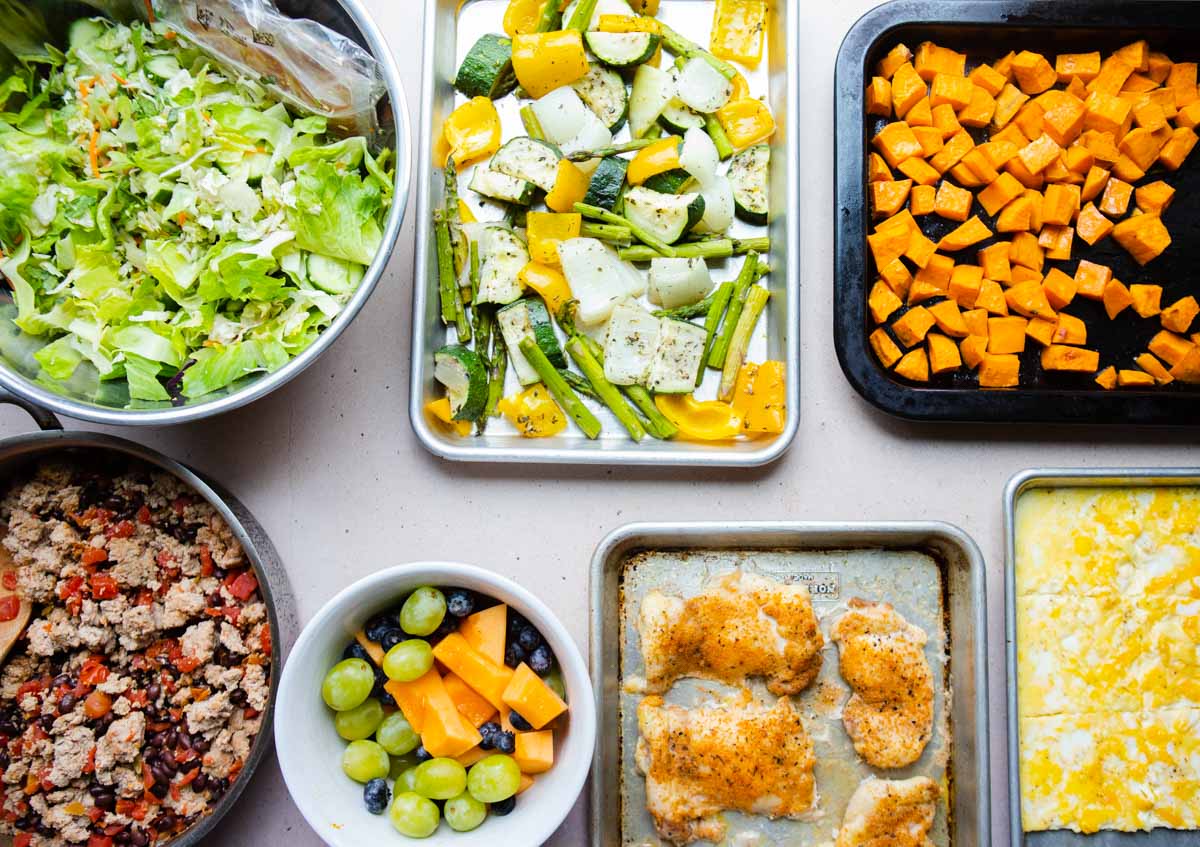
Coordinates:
<point>29,687</point>
<point>145,597</point>
<point>93,556</point>
<point>95,813</point>
<point>90,765</point>
<point>9,580</point>
<point>265,638</point>
<point>97,705</point>
<point>244,586</point>
<point>104,587</point>
<point>23,840</point>
<point>114,829</point>
<point>143,514</point>
<point>124,529</point>
<point>99,841</point>
<point>180,504</point>
<point>10,607</point>
<point>93,672</point>
<point>70,588</point>
<point>206,562</point>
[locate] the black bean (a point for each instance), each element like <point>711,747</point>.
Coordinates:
<point>185,741</point>
<point>159,789</point>
<point>237,697</point>
<point>200,783</point>
<point>122,838</point>
<point>67,702</point>
<point>106,801</point>
<point>46,722</point>
<point>161,773</point>
<point>156,739</point>
<point>45,829</point>
<point>201,745</point>
<point>164,822</point>
<point>168,760</point>
<point>172,738</point>
<point>61,679</point>
<point>152,691</point>
<point>138,838</point>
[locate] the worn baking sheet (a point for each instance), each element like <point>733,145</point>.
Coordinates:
<point>1069,478</point>
<point>930,572</point>
<point>449,34</point>
<point>987,30</point>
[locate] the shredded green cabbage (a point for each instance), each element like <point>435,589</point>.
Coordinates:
<point>169,224</point>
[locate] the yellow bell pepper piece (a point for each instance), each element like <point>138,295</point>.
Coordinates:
<point>472,130</point>
<point>659,157</point>
<point>522,16</point>
<point>760,397</point>
<point>709,420</point>
<point>570,187</point>
<point>544,61</point>
<point>629,23</point>
<point>439,410</point>
<point>741,88</point>
<point>533,412</point>
<point>737,31</point>
<point>464,212</point>
<point>746,121</point>
<point>645,7</point>
<point>549,283</point>
<point>545,229</point>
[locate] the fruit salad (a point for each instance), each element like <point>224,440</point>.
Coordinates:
<point>448,703</point>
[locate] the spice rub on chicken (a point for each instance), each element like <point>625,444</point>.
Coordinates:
<point>889,813</point>
<point>701,762</point>
<point>889,716</point>
<point>742,625</point>
<point>130,704</point>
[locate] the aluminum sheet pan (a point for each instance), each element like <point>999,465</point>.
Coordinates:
<point>1069,478</point>
<point>931,572</point>
<point>449,33</point>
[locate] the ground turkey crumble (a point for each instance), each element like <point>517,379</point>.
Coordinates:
<point>132,701</point>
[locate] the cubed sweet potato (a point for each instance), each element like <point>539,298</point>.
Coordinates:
<point>991,298</point>
<point>1008,103</point>
<point>921,200</point>
<point>932,60</point>
<point>1029,299</point>
<point>1111,79</point>
<point>1169,347</point>
<point>1006,334</point>
<point>1091,278</point>
<point>1134,379</point>
<point>1003,190</point>
<point>1180,145</point>
<point>919,171</point>
<point>965,282</point>
<point>1107,378</point>
<point>971,232</point>
<point>1037,155</point>
<point>1059,357</point>
<point>914,365</point>
<point>895,57</point>
<point>979,112</point>
<point>896,143</point>
<point>879,97</point>
<point>1041,330</point>
<point>1033,72</point>
<point>989,79</point>
<point>1092,226</point>
<point>882,302</point>
<point>877,169</point>
<point>949,319</point>
<point>885,349</point>
<point>943,354</point>
<point>1094,183</point>
<point>1146,299</point>
<point>1154,197</point>
<point>1152,366</point>
<point>1143,236</point>
<point>1058,288</point>
<point>1070,330</point>
<point>1085,66</point>
<point>1017,216</point>
<point>911,328</point>
<point>1116,298</point>
<point>1000,371</point>
<point>952,202</point>
<point>1179,315</point>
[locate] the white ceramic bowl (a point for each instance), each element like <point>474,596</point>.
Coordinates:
<point>310,751</point>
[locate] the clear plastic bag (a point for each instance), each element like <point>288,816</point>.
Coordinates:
<point>304,63</point>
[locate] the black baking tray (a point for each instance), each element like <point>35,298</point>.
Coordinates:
<point>986,30</point>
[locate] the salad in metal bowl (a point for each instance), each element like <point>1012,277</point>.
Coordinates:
<point>167,226</point>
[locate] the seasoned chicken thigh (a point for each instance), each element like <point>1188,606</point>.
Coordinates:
<point>889,813</point>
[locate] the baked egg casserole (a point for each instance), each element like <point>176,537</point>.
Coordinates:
<point>1108,658</point>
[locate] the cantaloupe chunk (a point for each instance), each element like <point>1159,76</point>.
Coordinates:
<point>472,756</point>
<point>443,730</point>
<point>475,709</point>
<point>535,751</point>
<point>532,698</point>
<point>411,696</point>
<point>372,648</point>
<point>486,631</point>
<point>526,783</point>
<point>488,678</point>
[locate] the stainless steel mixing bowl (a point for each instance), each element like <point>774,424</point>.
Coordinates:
<point>350,18</point>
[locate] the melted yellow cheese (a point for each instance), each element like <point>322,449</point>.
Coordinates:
<point>1108,631</point>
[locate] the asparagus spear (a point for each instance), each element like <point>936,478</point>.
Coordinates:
<point>623,147</point>
<point>447,284</point>
<point>550,19</point>
<point>651,241</point>
<point>745,279</point>
<point>719,248</point>
<point>613,234</point>
<point>756,300</point>
<point>681,46</point>
<point>458,241</point>
<point>499,370</point>
<point>657,424</point>
<point>563,393</point>
<point>580,384</point>
<point>717,133</point>
<point>720,303</point>
<point>583,15</point>
<point>533,127</point>
<point>686,313</point>
<point>608,392</point>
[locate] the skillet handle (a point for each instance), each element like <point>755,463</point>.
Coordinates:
<point>44,418</point>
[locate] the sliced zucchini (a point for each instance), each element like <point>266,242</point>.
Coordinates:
<point>502,254</point>
<point>603,91</point>
<point>652,91</point>
<point>528,159</point>
<point>678,282</point>
<point>676,363</point>
<point>630,344</point>
<point>466,379</point>
<point>678,118</point>
<point>718,205</point>
<point>622,49</point>
<point>487,70</point>
<point>498,186</point>
<point>605,187</point>
<point>528,318</point>
<point>602,7</point>
<point>669,182</point>
<point>701,87</point>
<point>666,216</point>
<point>749,172</point>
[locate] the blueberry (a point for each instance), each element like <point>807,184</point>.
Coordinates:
<point>354,650</point>
<point>386,699</point>
<point>514,654</point>
<point>505,742</point>
<point>376,796</point>
<point>379,625</point>
<point>519,723</point>
<point>488,733</point>
<point>529,639</point>
<point>504,807</point>
<point>460,603</point>
<point>541,661</point>
<point>421,754</point>
<point>516,623</point>
<point>391,638</point>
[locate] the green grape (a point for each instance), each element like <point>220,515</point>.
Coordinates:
<point>414,815</point>
<point>441,779</point>
<point>423,611</point>
<point>554,682</point>
<point>494,778</point>
<point>396,735</point>
<point>408,660</point>
<point>348,684</point>
<point>400,764</point>
<point>407,780</point>
<point>464,812</point>
<point>364,761</point>
<point>359,722</point>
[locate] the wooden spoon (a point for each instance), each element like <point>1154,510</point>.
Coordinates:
<point>10,627</point>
